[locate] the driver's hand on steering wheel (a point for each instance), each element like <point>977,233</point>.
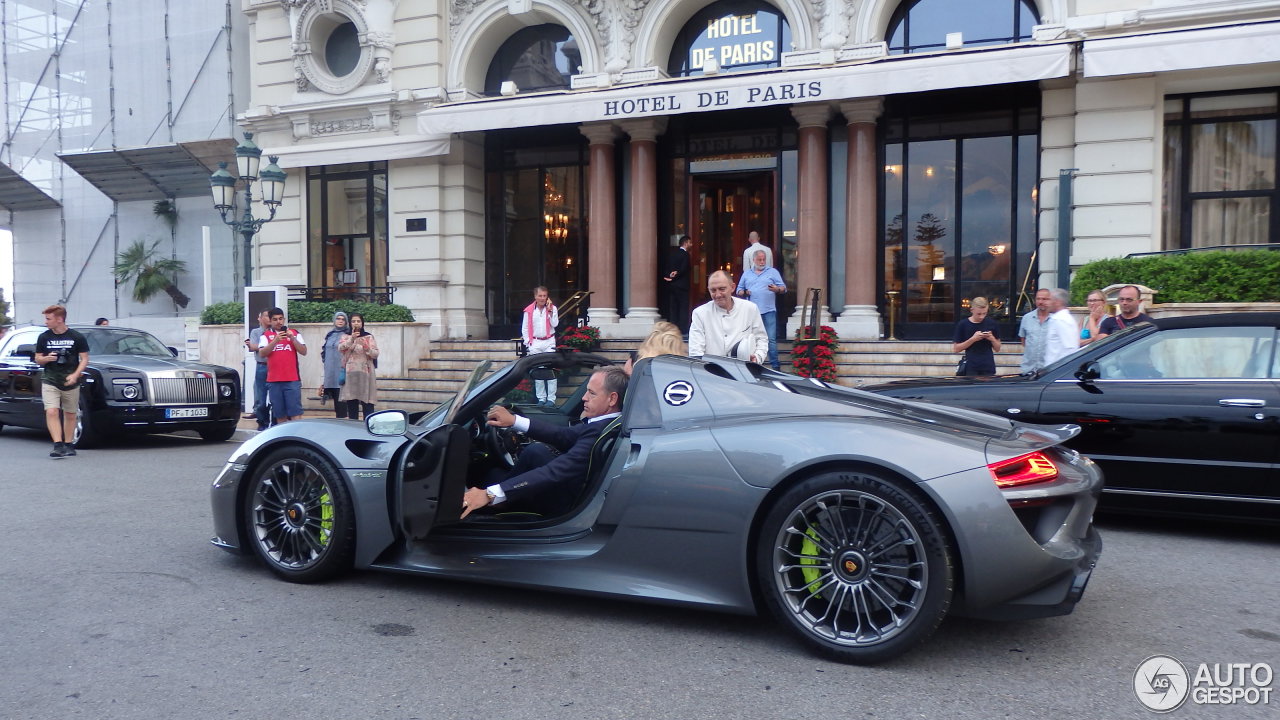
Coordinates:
<point>499,416</point>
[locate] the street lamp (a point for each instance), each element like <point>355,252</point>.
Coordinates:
<point>223,186</point>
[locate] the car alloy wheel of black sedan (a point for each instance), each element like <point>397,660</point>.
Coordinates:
<point>857,565</point>
<point>300,517</point>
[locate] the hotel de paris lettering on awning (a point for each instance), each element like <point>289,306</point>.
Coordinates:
<point>888,76</point>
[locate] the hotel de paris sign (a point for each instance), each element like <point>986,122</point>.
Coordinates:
<point>900,74</point>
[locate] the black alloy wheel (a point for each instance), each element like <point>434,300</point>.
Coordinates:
<point>298,516</point>
<point>86,433</point>
<point>857,565</point>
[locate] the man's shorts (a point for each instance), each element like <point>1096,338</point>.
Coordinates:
<point>285,398</point>
<point>68,400</point>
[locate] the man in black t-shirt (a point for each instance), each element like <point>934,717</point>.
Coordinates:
<point>64,354</point>
<point>1130,314</point>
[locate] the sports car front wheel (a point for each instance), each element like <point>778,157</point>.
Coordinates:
<point>856,564</point>
<point>298,516</point>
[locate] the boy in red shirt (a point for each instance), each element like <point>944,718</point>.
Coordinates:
<point>281,347</point>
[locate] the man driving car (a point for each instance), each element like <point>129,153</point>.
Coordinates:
<point>543,481</point>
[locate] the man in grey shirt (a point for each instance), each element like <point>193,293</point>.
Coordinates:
<point>1032,331</point>
<point>260,410</point>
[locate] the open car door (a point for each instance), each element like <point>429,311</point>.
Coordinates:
<point>426,499</point>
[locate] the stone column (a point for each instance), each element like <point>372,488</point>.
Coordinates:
<point>602,235</point>
<point>860,320</point>
<point>812,248</point>
<point>642,276</point>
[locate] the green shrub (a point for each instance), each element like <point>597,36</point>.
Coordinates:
<point>304,311</point>
<point>1217,276</point>
<point>227,313</point>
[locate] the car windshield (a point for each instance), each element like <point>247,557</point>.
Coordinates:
<point>445,411</point>
<point>104,341</point>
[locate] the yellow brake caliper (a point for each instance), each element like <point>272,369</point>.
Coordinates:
<point>326,518</point>
<point>809,551</point>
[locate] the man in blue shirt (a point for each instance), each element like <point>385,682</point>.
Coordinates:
<point>761,285</point>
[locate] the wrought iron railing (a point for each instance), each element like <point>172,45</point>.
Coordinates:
<point>378,294</point>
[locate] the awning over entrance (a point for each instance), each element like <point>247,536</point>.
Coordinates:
<point>1183,50</point>
<point>890,76</point>
<point>341,153</point>
<point>18,194</point>
<point>153,173</point>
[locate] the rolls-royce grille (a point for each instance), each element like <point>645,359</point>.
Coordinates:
<point>184,391</point>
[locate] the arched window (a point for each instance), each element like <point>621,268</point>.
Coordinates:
<point>542,57</point>
<point>923,25</point>
<point>731,35</point>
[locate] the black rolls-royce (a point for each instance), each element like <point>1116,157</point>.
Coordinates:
<point>1182,413</point>
<point>134,384</point>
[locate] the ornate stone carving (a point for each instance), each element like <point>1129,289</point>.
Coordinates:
<point>311,21</point>
<point>460,10</point>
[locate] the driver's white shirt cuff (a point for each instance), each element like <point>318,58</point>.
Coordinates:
<point>521,424</point>
<point>498,495</point>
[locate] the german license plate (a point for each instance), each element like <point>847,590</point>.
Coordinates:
<point>186,412</point>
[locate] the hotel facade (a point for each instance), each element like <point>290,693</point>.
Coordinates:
<point>902,157</point>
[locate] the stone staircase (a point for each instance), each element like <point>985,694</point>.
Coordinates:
<point>859,362</point>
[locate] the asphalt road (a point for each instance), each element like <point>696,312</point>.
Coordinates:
<point>114,605</point>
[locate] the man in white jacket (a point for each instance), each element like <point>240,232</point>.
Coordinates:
<point>538,330</point>
<point>727,326</point>
<point>1062,335</point>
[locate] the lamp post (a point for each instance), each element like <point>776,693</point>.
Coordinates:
<point>223,186</point>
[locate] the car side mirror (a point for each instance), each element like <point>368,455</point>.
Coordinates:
<point>28,351</point>
<point>173,351</point>
<point>1089,371</point>
<point>387,422</point>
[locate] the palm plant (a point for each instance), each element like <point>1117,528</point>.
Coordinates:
<point>149,272</point>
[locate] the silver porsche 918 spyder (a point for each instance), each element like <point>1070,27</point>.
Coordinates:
<point>859,521</point>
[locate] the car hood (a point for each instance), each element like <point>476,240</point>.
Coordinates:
<point>147,364</point>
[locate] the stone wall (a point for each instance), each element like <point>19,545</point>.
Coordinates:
<point>402,345</point>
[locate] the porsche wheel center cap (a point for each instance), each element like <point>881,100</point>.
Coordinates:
<point>851,565</point>
<point>296,515</point>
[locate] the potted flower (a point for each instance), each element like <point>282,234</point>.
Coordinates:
<point>580,338</point>
<point>815,356</point>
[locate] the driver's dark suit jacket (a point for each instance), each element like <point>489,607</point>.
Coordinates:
<point>554,484</point>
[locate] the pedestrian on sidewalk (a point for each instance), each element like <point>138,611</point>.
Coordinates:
<point>331,358</point>
<point>261,410</point>
<point>360,360</point>
<point>538,330</point>
<point>282,346</point>
<point>63,353</point>
<point>976,337</point>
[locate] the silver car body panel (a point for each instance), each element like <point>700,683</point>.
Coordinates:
<point>705,447</point>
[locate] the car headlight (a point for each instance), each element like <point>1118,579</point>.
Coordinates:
<point>127,388</point>
<point>224,390</point>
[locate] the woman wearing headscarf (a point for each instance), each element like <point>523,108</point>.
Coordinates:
<point>331,356</point>
<point>359,351</point>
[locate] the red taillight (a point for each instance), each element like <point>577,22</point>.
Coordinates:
<point>1023,470</point>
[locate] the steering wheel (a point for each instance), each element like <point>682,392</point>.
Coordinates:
<point>501,444</point>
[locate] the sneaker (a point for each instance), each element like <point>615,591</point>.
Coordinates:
<point>57,451</point>
<point>68,449</point>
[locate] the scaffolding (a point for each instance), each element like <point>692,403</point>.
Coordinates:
<point>109,107</point>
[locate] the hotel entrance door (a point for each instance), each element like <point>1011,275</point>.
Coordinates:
<point>725,208</point>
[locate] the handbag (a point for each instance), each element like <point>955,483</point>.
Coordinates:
<point>962,367</point>
<point>342,377</point>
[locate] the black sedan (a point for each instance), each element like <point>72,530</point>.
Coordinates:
<point>1183,413</point>
<point>134,384</point>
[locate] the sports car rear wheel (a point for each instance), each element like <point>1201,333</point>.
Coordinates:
<point>857,565</point>
<point>298,516</point>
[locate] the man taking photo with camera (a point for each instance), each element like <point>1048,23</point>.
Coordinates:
<point>64,354</point>
<point>281,347</point>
